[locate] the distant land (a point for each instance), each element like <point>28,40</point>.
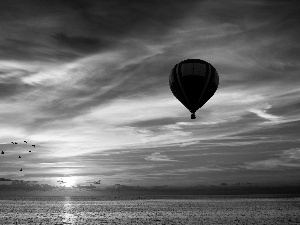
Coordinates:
<point>32,188</point>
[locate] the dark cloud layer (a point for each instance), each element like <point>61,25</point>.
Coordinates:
<point>80,43</point>
<point>39,29</point>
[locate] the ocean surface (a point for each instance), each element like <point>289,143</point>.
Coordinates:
<point>196,210</point>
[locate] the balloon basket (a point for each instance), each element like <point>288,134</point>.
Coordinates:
<point>193,116</point>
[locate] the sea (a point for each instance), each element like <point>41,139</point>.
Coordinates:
<point>150,210</point>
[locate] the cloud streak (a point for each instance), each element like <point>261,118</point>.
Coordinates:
<point>158,157</point>
<point>288,159</point>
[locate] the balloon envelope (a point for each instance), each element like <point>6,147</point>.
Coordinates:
<point>193,82</point>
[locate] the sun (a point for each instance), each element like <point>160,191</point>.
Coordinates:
<point>70,181</point>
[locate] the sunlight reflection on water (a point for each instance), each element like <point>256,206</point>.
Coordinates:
<point>68,216</point>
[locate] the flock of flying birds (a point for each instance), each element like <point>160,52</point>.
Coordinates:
<point>15,143</point>
<point>59,181</point>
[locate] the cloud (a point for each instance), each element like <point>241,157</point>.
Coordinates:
<point>188,143</point>
<point>292,154</point>
<point>81,43</point>
<point>288,159</point>
<point>199,169</point>
<point>158,157</point>
<point>263,114</point>
<point>271,164</point>
<point>63,30</point>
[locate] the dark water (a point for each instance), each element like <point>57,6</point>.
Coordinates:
<point>90,210</point>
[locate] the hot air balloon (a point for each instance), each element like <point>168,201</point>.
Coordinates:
<point>193,82</point>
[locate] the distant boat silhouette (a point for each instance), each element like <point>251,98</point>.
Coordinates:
<point>33,146</point>
<point>2,152</point>
<point>19,157</point>
<point>21,169</point>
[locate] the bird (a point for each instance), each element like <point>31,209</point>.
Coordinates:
<point>19,157</point>
<point>12,142</point>
<point>2,152</point>
<point>29,151</point>
<point>21,169</point>
<point>16,143</point>
<point>25,142</point>
<point>33,146</point>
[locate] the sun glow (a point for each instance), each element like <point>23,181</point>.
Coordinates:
<point>68,181</point>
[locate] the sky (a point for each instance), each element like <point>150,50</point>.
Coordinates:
<point>87,83</point>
